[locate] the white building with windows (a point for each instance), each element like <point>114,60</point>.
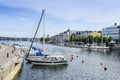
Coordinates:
<point>83,33</point>
<point>62,37</point>
<point>111,31</point>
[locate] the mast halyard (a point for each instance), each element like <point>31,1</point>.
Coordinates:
<point>36,31</point>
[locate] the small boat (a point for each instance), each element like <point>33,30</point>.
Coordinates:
<point>50,60</point>
<point>95,47</point>
<point>40,57</point>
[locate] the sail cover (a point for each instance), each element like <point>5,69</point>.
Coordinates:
<point>34,48</point>
<point>39,53</point>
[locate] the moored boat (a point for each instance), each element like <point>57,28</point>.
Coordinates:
<point>50,60</point>
<point>40,57</point>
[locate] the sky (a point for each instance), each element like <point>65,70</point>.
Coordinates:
<point>19,18</point>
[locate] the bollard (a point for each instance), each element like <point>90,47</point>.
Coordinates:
<point>14,48</point>
<point>12,51</point>
<point>7,54</point>
<point>1,74</point>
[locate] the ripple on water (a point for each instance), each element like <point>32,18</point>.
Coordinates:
<point>76,70</point>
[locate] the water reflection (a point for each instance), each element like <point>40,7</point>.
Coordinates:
<point>76,70</point>
<point>56,67</point>
<point>103,54</point>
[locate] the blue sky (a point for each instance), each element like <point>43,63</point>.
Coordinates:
<point>19,18</point>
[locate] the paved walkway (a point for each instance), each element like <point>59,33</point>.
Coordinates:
<point>6,53</point>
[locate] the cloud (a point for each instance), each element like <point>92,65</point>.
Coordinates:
<point>69,10</point>
<point>3,16</point>
<point>22,19</point>
<point>76,14</point>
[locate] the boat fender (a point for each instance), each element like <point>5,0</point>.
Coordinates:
<point>105,68</point>
<point>82,61</point>
<point>101,63</point>
<point>71,60</point>
<point>72,57</point>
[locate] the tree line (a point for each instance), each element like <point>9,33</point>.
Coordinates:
<point>90,39</point>
<point>23,39</point>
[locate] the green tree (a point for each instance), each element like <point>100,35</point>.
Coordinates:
<point>72,38</point>
<point>110,39</point>
<point>84,40</point>
<point>47,39</point>
<point>90,39</point>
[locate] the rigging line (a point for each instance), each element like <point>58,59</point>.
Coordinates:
<point>36,32</point>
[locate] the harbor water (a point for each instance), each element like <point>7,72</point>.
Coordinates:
<point>86,65</point>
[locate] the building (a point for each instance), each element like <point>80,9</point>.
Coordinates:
<point>111,31</point>
<point>87,33</point>
<point>62,38</point>
<point>82,33</point>
<point>96,33</point>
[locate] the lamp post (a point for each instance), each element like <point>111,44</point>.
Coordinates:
<point>119,32</point>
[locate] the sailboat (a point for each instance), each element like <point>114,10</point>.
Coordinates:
<point>40,58</point>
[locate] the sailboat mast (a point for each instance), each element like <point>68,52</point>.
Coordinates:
<point>44,34</point>
<point>36,32</point>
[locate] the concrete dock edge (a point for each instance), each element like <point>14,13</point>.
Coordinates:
<point>12,68</point>
<point>13,75</point>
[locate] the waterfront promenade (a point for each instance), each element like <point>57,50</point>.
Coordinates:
<point>6,54</point>
<point>11,60</point>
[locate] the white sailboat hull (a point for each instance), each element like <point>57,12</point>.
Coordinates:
<point>49,63</point>
<point>50,60</point>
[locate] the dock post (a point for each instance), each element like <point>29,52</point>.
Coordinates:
<point>7,54</point>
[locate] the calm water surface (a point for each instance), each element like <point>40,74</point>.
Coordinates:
<point>76,70</point>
